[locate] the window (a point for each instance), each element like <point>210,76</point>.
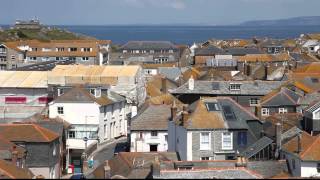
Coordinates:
<point>293,164</point>
<point>54,153</point>
<point>212,107</point>
<point>254,101</point>
<point>60,49</point>
<point>33,58</point>
<point>15,100</point>
<point>151,51</point>
<point>124,51</point>
<point>205,141</point>
<point>13,57</point>
<point>72,134</point>
<point>93,91</point>
<point>234,87</point>
<point>60,110</point>
<point>317,115</point>
<point>283,110</point>
<point>60,91</point>
<point>265,112</point>
<point>205,158</point>
<point>73,49</point>
<point>170,51</point>
<point>141,135</point>
<point>318,167</point>
<point>86,49</point>
<point>85,58</point>
<point>227,141</point>
<point>154,134</point>
<point>242,138</point>
<point>34,49</point>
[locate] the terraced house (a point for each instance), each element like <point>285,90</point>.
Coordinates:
<point>150,52</point>
<point>89,52</point>
<point>10,57</point>
<point>212,129</point>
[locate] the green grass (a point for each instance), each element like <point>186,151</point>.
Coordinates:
<point>42,35</point>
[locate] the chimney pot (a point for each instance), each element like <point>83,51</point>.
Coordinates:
<point>107,170</point>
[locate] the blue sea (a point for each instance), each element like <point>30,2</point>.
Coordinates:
<point>189,34</point>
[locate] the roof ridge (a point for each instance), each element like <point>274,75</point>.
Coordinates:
<point>312,144</point>
<point>285,93</point>
<point>40,131</point>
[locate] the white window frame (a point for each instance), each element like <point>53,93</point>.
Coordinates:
<point>154,134</point>
<point>316,115</point>
<point>207,145</point>
<point>60,91</point>
<point>33,58</point>
<point>85,58</point>
<point>209,158</point>
<point>283,110</point>
<point>265,111</point>
<point>254,100</point>
<point>235,87</point>
<point>223,137</point>
<point>60,110</point>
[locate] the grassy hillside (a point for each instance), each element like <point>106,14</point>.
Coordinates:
<point>44,34</point>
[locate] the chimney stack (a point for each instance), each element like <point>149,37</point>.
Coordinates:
<point>107,170</point>
<point>14,155</point>
<point>299,150</point>
<point>191,83</point>
<point>266,71</point>
<point>185,116</point>
<point>248,70</point>
<point>156,167</point>
<point>278,133</point>
<point>163,85</point>
<point>173,111</point>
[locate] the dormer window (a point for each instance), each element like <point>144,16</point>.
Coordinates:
<point>60,91</point>
<point>234,87</point>
<point>96,92</point>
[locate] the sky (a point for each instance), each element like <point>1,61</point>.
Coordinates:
<point>128,12</point>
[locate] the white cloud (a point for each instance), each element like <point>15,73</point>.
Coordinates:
<point>175,4</point>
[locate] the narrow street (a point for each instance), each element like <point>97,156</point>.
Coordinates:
<point>106,151</point>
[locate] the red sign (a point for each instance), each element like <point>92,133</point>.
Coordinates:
<point>16,100</point>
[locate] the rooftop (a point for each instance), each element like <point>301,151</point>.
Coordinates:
<point>310,147</point>
<point>154,117</point>
<point>27,133</point>
<point>223,87</point>
<point>148,45</point>
<point>11,171</point>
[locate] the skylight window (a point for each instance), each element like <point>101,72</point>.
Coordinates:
<point>213,107</point>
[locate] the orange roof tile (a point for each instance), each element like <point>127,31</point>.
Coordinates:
<point>310,147</point>
<point>27,133</point>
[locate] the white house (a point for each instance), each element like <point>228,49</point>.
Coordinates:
<point>148,131</point>
<point>211,129</point>
<point>312,45</point>
<point>303,155</point>
<point>92,113</point>
<point>312,118</point>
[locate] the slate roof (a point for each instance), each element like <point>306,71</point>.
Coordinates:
<point>284,97</point>
<point>81,95</point>
<point>148,45</point>
<point>310,147</point>
<point>222,169</point>
<point>172,73</point>
<point>200,118</point>
<point>11,171</point>
<point>313,107</point>
<point>135,165</point>
<point>154,117</point>
<point>257,147</point>
<point>242,51</point>
<point>208,51</point>
<point>247,88</point>
<point>27,133</point>
<point>309,98</point>
<point>6,148</point>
